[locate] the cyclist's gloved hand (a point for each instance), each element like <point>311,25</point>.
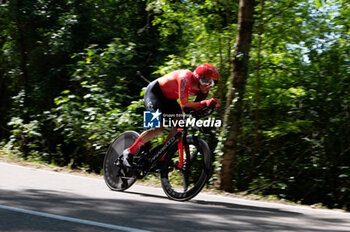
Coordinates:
<point>210,103</point>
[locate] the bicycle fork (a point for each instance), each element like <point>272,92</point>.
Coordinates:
<point>181,150</point>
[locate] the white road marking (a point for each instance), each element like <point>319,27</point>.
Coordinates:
<point>70,219</point>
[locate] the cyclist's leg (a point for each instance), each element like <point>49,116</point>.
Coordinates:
<point>149,134</point>
<point>153,99</point>
<point>145,137</point>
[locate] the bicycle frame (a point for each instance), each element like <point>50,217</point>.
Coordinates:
<point>178,137</point>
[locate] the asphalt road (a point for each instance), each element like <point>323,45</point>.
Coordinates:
<point>39,200</point>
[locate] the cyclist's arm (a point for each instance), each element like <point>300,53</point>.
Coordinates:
<point>184,93</point>
<point>193,105</point>
<point>201,96</point>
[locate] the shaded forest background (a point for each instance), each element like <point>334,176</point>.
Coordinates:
<point>72,73</point>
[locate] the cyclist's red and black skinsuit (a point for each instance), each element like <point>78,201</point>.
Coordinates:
<point>162,94</point>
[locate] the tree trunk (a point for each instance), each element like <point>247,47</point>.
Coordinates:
<point>236,91</point>
<point>23,51</point>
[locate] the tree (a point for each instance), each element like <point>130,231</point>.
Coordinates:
<point>236,92</point>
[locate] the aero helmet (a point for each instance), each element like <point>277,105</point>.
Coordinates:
<point>206,70</point>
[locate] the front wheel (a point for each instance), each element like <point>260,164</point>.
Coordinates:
<point>118,177</point>
<point>184,184</point>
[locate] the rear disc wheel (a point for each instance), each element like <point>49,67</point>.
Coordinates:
<point>116,176</point>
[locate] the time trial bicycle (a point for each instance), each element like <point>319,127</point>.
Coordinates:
<point>184,162</point>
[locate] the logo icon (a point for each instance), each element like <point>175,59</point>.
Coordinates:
<point>151,119</point>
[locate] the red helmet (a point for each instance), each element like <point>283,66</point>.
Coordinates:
<point>206,70</point>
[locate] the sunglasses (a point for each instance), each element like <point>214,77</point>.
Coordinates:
<point>206,81</point>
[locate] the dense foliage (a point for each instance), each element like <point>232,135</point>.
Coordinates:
<point>72,73</point>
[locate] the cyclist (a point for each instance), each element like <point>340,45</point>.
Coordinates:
<point>162,95</point>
